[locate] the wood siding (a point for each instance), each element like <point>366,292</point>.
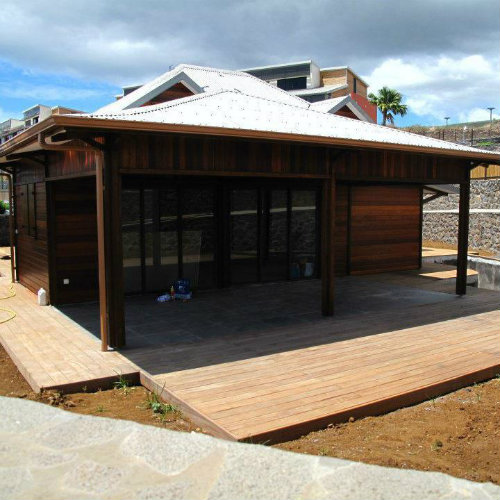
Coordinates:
<point>212,155</point>
<point>69,163</point>
<point>385,228</point>
<point>32,253</point>
<point>393,166</point>
<point>341,230</point>
<point>74,240</point>
<point>190,154</point>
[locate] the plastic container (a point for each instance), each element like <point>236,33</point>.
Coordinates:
<point>42,297</point>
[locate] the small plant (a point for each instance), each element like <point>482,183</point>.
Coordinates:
<point>436,445</point>
<point>4,206</point>
<point>84,388</point>
<point>100,409</point>
<point>122,384</point>
<point>158,406</point>
<point>323,452</point>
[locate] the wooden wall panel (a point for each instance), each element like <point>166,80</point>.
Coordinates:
<point>32,254</point>
<point>75,240</point>
<point>341,229</point>
<point>385,228</point>
<point>70,163</point>
<point>400,167</point>
<point>217,155</point>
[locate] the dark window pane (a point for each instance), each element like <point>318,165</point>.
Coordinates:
<point>131,237</point>
<point>274,237</point>
<point>303,235</point>
<point>244,235</point>
<point>293,83</point>
<point>198,237</point>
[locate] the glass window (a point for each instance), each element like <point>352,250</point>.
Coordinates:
<point>274,235</point>
<point>244,235</point>
<point>198,237</point>
<point>292,83</point>
<point>303,236</point>
<point>131,237</point>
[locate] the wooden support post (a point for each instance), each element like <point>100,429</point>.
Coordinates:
<point>101,249</point>
<point>12,235</point>
<point>463,237</point>
<point>114,253</point>
<point>328,247</point>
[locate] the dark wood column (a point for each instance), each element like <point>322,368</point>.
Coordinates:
<point>328,247</point>
<point>463,236</point>
<point>109,235</point>
<point>114,252</point>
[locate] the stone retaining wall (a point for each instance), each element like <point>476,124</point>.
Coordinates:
<point>484,228</point>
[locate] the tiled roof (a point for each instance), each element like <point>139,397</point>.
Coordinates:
<point>235,109</point>
<point>206,80</point>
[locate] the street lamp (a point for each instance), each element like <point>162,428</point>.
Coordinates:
<point>491,118</point>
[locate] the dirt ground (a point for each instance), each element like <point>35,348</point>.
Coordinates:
<point>458,434</point>
<point>129,403</point>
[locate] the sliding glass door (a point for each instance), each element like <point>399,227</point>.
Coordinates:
<point>168,234</point>
<point>217,234</point>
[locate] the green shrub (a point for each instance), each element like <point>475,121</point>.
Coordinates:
<point>4,206</point>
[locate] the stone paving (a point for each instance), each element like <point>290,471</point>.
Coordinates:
<point>49,453</point>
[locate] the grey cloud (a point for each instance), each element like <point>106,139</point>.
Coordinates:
<point>130,41</point>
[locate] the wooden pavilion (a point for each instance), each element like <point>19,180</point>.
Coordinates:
<point>239,183</point>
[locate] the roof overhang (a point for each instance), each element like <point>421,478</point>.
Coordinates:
<point>28,140</point>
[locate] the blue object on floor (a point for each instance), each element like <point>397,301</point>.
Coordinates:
<point>182,286</point>
<point>164,298</point>
<point>184,296</point>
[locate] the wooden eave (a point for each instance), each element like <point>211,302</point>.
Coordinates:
<point>101,126</point>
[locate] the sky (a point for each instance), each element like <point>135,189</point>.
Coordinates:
<point>442,55</point>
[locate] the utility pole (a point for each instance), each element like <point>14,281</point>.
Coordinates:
<point>447,118</point>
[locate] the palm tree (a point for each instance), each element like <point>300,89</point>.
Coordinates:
<point>389,102</point>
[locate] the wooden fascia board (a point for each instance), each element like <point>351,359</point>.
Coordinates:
<point>102,125</point>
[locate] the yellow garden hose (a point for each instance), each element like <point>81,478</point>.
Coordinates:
<point>12,314</point>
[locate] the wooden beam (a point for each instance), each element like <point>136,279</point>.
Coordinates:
<point>328,247</point>
<point>463,237</point>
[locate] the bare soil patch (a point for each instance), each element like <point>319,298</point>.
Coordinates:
<point>127,403</point>
<point>458,434</point>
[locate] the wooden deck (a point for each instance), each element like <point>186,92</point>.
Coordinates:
<point>50,350</point>
<point>286,382</point>
<point>278,383</point>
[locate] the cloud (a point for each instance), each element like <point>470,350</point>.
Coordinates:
<point>129,41</point>
<point>477,115</point>
<point>47,92</point>
<point>442,86</point>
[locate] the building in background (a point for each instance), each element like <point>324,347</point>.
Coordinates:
<point>13,126</point>
<point>338,87</point>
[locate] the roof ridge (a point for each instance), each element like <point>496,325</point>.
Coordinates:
<point>163,105</point>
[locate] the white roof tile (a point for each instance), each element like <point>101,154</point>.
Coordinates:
<point>235,109</point>
<point>207,80</point>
